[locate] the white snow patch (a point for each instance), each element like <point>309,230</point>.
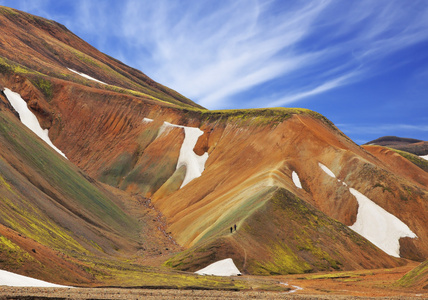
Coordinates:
<point>147,120</point>
<point>12,279</point>
<point>425,157</point>
<point>194,163</point>
<point>86,76</point>
<point>296,180</point>
<point>28,118</point>
<point>224,267</point>
<point>165,126</point>
<point>327,170</point>
<point>379,226</point>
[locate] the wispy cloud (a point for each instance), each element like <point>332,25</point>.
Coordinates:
<point>211,54</point>
<point>326,86</point>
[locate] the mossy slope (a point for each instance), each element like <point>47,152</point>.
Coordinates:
<point>46,199</point>
<point>285,235</point>
<point>417,278</point>
<point>420,162</point>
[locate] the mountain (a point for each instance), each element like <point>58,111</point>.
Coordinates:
<point>151,178</point>
<point>417,147</point>
<point>416,278</point>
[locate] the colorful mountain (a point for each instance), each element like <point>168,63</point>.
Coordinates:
<point>151,178</point>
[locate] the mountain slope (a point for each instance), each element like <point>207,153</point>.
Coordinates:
<point>414,146</point>
<point>288,178</point>
<point>51,211</point>
<point>36,46</point>
<point>417,278</point>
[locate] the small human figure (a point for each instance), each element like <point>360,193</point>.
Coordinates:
<point>234,226</point>
<point>231,229</point>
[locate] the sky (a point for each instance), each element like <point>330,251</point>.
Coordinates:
<point>362,64</point>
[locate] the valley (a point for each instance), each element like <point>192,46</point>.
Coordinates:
<point>109,179</point>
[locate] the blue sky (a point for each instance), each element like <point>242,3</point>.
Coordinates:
<point>362,64</point>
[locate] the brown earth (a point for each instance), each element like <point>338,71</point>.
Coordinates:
<point>399,165</point>
<point>367,284</point>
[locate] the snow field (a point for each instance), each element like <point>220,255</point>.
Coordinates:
<point>28,118</point>
<point>225,267</point>
<point>327,170</point>
<point>296,180</point>
<point>12,279</point>
<point>147,120</point>
<point>379,226</point>
<point>194,163</point>
<point>86,76</point>
<point>375,224</point>
<point>425,157</point>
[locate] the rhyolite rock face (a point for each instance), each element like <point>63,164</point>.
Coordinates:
<point>111,136</point>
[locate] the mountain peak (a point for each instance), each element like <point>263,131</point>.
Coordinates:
<point>35,45</point>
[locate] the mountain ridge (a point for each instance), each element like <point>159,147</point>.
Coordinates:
<point>71,49</point>
<point>130,137</point>
<point>414,146</point>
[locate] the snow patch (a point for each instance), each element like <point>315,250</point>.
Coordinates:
<point>379,226</point>
<point>86,76</point>
<point>194,163</point>
<point>28,118</point>
<point>296,180</point>
<point>425,157</point>
<point>12,279</point>
<point>166,126</point>
<point>147,120</point>
<point>327,170</point>
<point>224,267</point>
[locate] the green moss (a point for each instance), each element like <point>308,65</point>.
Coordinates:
<point>3,183</point>
<point>384,188</point>
<point>284,261</point>
<point>343,276</point>
<point>11,255</point>
<point>239,213</point>
<point>252,117</point>
<point>30,221</point>
<point>65,179</point>
<point>323,260</point>
<point>144,93</point>
<point>8,11</point>
<point>7,66</point>
<point>87,59</point>
<point>127,274</point>
<point>417,276</point>
<point>418,161</point>
<point>45,86</point>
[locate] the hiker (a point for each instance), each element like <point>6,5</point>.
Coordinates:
<point>234,226</point>
<point>231,229</point>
